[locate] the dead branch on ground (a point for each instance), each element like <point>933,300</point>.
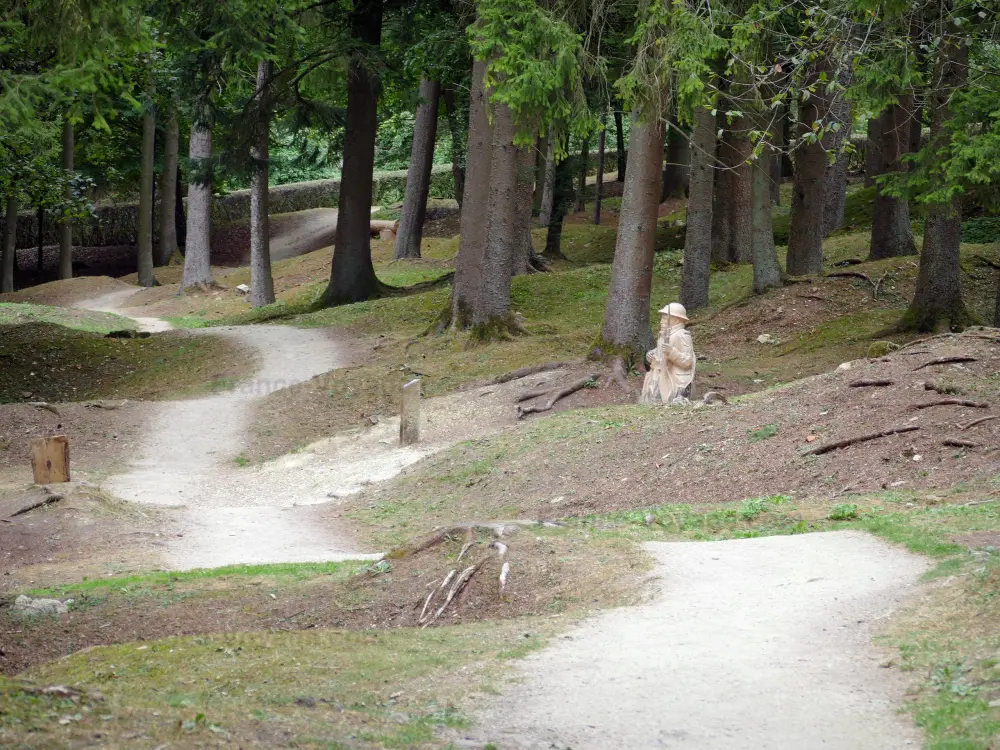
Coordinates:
<point>556,394</point>
<point>871,383</point>
<point>974,422</point>
<point>959,443</point>
<point>820,450</point>
<point>947,361</point>
<point>953,402</point>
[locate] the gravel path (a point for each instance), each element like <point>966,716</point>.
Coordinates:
<point>758,643</point>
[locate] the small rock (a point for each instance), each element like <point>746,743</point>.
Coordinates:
<point>243,289</point>
<point>557,500</point>
<point>25,606</point>
<point>26,394</point>
<point>766,338</point>
<point>374,419</point>
<point>714,397</point>
<point>845,366</point>
<point>650,519</point>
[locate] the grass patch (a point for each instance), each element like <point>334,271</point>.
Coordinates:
<point>322,688</point>
<point>15,313</point>
<point>279,572</point>
<point>55,363</point>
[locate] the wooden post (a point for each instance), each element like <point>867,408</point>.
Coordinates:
<point>50,459</point>
<point>409,414</point>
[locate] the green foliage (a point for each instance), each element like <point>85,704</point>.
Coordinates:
<point>843,512</point>
<point>981,230</point>
<point>764,433</point>
<point>535,63</point>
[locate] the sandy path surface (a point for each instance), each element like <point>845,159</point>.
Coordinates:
<point>758,643</point>
<point>302,232</point>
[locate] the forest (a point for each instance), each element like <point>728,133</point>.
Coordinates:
<point>166,106</point>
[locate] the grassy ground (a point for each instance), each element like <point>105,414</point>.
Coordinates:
<point>43,361</point>
<point>12,314</point>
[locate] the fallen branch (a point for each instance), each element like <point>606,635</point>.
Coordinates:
<point>946,361</point>
<point>556,395</point>
<point>878,284</point>
<point>524,372</point>
<point>45,405</point>
<point>959,443</point>
<point>953,402</point>
<point>974,422</point>
<point>871,383</point>
<point>820,450</point>
<point>44,501</point>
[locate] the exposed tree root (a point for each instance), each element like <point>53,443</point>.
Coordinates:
<point>974,422</point>
<point>820,450</point>
<point>876,285</point>
<point>871,383</point>
<point>524,372</point>
<point>459,582</point>
<point>619,373</point>
<point>45,405</point>
<point>467,530</point>
<point>946,361</point>
<point>423,286</point>
<point>553,395</point>
<point>47,500</point>
<point>953,402</point>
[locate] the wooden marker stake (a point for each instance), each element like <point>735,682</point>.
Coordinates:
<point>50,459</point>
<point>409,415</point>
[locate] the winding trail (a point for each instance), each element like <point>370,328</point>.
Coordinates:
<point>186,458</point>
<point>756,643</point>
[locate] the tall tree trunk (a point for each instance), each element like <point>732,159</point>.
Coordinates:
<point>261,279</point>
<point>541,164</point>
<point>524,256</point>
<point>625,331</point>
<point>168,190</point>
<point>66,226</point>
<point>778,152</point>
<point>144,246</point>
<point>198,250</point>
<point>40,258</point>
<point>562,201</point>
<point>698,234</point>
<point>766,271</point>
<point>510,171</point>
<point>620,145</point>
<point>418,178</point>
<point>352,275</point>
<point>457,144</point>
<point>835,189</point>
<point>873,151</point>
<point>731,235</point>
<point>9,245</point>
<point>805,234</point>
<point>180,215</point>
<point>938,295</point>
<point>676,168</point>
<point>472,226</point>
<point>548,188</point>
<point>581,190</point>
<point>892,233</point>
<point>599,184</point>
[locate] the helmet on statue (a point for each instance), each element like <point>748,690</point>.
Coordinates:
<point>675,310</point>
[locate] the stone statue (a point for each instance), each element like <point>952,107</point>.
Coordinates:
<point>672,362</point>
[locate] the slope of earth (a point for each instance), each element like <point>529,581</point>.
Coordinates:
<point>613,458</point>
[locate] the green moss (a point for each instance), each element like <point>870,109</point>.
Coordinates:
<point>19,313</point>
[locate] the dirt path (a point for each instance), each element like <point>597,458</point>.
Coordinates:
<point>762,643</point>
<point>302,232</point>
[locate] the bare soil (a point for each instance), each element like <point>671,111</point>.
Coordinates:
<point>545,579</point>
<point>87,533</point>
<point>633,457</point>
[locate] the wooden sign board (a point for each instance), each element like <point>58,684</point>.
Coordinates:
<point>50,459</point>
<point>409,414</point>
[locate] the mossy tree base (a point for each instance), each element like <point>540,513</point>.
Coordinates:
<point>925,319</point>
<point>496,328</point>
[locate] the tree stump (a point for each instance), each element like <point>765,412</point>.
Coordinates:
<point>409,415</point>
<point>50,459</point>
